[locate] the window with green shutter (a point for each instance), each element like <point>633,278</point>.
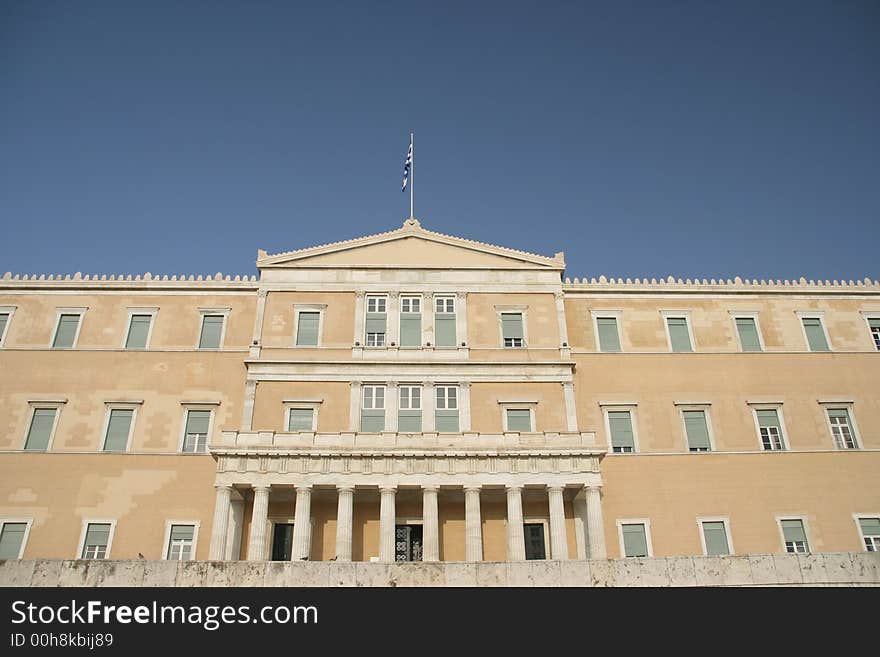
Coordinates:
<point>873,323</point>
<point>770,429</point>
<point>40,430</point>
<point>307,328</point>
<point>620,426</point>
<point>118,428</point>
<point>301,419</point>
<point>138,330</point>
<point>512,329</point>
<point>65,332</point>
<point>212,331</point>
<point>679,336</point>
<point>697,430</point>
<point>747,328</point>
<point>870,533</point>
<point>96,541</point>
<point>12,539</point>
<point>4,321</point>
<point>180,542</point>
<point>519,419</point>
<point>410,321</point>
<point>376,321</point>
<point>795,536</point>
<point>715,535</point>
<point>609,339</point>
<point>409,410</point>
<point>446,409</point>
<point>635,540</point>
<point>195,438</point>
<point>373,409</point>
<point>444,322</point>
<point>815,334</point>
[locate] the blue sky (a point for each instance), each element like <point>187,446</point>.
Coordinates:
<point>642,138</point>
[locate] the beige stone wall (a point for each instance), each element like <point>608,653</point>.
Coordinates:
<point>338,328</point>
<point>486,412</point>
<point>484,324</point>
<point>333,412</point>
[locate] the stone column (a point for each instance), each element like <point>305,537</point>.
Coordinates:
<point>570,406</point>
<point>344,512</point>
<point>595,526</point>
<point>473,524</point>
<point>392,399</point>
<point>464,406</point>
<point>387,520</point>
<point>354,408</point>
<point>234,533</point>
<point>392,321</point>
<point>428,319</point>
<point>221,522</point>
<point>461,321</point>
<point>259,518</point>
<point>558,538</point>
<point>359,318</point>
<point>579,506</point>
<point>428,403</point>
<point>564,346</point>
<point>257,338</point>
<point>430,525</point>
<point>516,540</point>
<point>247,410</point>
<point>302,524</point>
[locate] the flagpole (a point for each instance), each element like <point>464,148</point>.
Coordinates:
<point>412,175</point>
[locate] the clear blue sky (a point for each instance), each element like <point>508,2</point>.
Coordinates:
<point>642,138</point>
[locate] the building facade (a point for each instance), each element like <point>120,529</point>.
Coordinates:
<point>412,396</point>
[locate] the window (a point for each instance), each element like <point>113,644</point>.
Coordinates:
<point>42,428</point>
<point>67,328</point>
<point>873,326</point>
<point>794,535</point>
<point>211,336</point>
<point>119,429</point>
<point>196,429</point>
<point>608,336</point>
<point>635,538</point>
<point>446,409</point>
<point>444,322</point>
<point>301,419</point>
<point>842,428</point>
<point>696,430</point>
<point>409,414</point>
<point>6,313</point>
<point>180,541</point>
<point>518,419</point>
<point>747,332</point>
<point>307,328</point>
<point>376,321</point>
<point>770,429</point>
<point>869,528</point>
<point>96,540</point>
<point>410,321</point>
<point>140,325</point>
<point>13,537</point>
<point>714,536</point>
<point>620,429</point>
<point>814,330</point>
<point>512,329</point>
<point>679,333</point>
<point>373,409</point>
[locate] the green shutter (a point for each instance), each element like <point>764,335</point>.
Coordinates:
<point>873,322</point>
<point>375,323</point>
<point>697,431</point>
<point>635,544</point>
<point>67,325</point>
<point>838,412</point>
<point>4,317</point>
<point>372,420</point>
<point>793,530</point>
<point>815,334</point>
<point>870,526</point>
<point>138,331</point>
<point>410,329</point>
<point>769,418</point>
<point>11,538</point>
<point>716,538</point>
<point>748,334</point>
<point>97,535</point>
<point>212,327</point>
<point>446,420</point>
<point>409,421</point>
<point>307,330</point>
<point>678,334</point>
<point>41,429</point>
<point>511,325</point>
<point>621,429</point>
<point>300,419</point>
<point>197,421</point>
<point>182,532</point>
<point>609,340</point>
<point>118,429</point>
<point>519,419</point>
<point>444,330</point>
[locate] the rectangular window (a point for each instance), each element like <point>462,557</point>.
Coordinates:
<point>40,430</point>
<point>815,334</point>
<point>620,426</point>
<point>635,540</point>
<point>195,437</point>
<point>12,539</point>
<point>519,419</point>
<point>679,335</point>
<point>446,409</point>
<point>307,329</point>
<point>4,322</point>
<point>841,428</point>
<point>373,409</point>
<point>375,326</point>
<point>409,414</point>
<point>301,419</point>
<point>138,331</point>
<point>609,339</point>
<point>444,321</point>
<point>180,543</point>
<point>715,538</point>
<point>212,331</point>
<point>873,323</point>
<point>97,541</point>
<point>118,430</point>
<point>697,430</point>
<point>410,321</point>
<point>870,528</point>
<point>66,331</point>
<point>770,429</point>
<point>747,328</point>
<point>512,329</point>
<point>795,536</point>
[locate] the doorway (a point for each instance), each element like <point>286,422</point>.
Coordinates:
<point>282,541</point>
<point>407,542</point>
<point>534,535</point>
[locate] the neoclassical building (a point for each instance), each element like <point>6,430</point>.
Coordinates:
<point>415,396</point>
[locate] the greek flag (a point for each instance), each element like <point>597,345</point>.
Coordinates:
<point>406,166</point>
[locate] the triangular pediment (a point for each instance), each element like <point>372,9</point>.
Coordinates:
<point>411,246</point>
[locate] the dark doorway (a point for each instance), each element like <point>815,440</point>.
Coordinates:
<point>408,543</point>
<point>534,534</point>
<point>282,542</point>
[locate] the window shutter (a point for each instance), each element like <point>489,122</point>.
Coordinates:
<point>697,431</point>
<point>372,420</point>
<point>66,332</point>
<point>870,526</point>
<point>815,334</point>
<point>635,544</point>
<point>621,429</point>
<point>410,329</point>
<point>793,530</point>
<point>446,421</point>
<point>137,332</point>
<point>11,539</point>
<point>212,326</point>
<point>519,419</point>
<point>839,412</point>
<point>444,330</point>
<point>307,330</point>
<point>375,323</point>
<point>678,334</point>
<point>609,340</point>
<point>873,322</point>
<point>182,532</point>
<point>118,429</point>
<point>97,535</point>
<point>511,325</point>
<point>41,429</point>
<point>748,334</point>
<point>716,538</point>
<point>4,317</point>
<point>409,421</point>
<point>769,418</point>
<point>197,421</point>
<point>300,419</point>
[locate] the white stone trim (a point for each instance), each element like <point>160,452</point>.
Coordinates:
<point>634,521</point>
<point>767,406</point>
<point>186,407</point>
<point>10,310</point>
<point>85,526</point>
<point>827,405</point>
<point>523,310</point>
<point>28,522</point>
<point>727,534</point>
<point>289,404</point>
<point>856,517</point>
<point>308,308</point>
<point>195,524</point>
<point>803,518</point>
<point>595,315</point>
<point>633,417</point>
<point>571,419</point>
<point>152,312</point>
<point>531,406</point>
<point>707,411</point>
<point>212,311</point>
<point>259,317</point>
<point>747,314</point>
<point>537,520</point>
<point>34,404</point>
<point>678,314</point>
<point>813,314</point>
<point>111,406</point>
<point>81,311</point>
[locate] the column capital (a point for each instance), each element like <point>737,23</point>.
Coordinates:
<point>345,488</point>
<point>559,296</point>
<point>591,488</point>
<point>429,383</point>
<point>472,488</point>
<point>431,488</point>
<point>393,295</point>
<point>261,487</point>
<point>513,487</point>
<point>388,488</point>
<point>461,295</point>
<point>223,487</point>
<point>262,292</point>
<point>360,294</point>
<point>464,384</point>
<point>356,384</point>
<point>303,487</point>
<point>391,384</point>
<point>555,487</point>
